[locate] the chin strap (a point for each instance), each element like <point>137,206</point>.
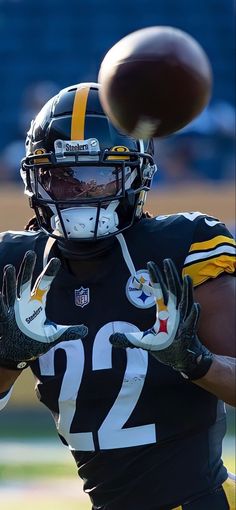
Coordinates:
<point>126,255</point>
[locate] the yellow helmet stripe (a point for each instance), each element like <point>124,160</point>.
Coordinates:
<point>78,113</point>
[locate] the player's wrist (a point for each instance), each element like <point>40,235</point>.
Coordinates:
<point>14,365</point>
<point>200,368</point>
<point>197,360</point>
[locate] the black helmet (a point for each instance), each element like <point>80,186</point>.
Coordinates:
<point>85,180</point>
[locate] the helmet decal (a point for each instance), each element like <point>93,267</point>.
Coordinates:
<point>78,113</point>
<point>41,160</point>
<point>120,149</point>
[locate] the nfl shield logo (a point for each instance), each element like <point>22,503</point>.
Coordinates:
<point>82,297</point>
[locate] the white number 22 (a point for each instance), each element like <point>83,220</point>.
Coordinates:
<point>111,433</point>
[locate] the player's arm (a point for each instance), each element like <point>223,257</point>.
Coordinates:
<point>25,331</point>
<point>216,329</point>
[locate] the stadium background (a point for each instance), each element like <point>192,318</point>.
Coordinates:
<point>50,44</point>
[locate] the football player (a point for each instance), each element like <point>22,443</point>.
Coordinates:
<point>125,320</point>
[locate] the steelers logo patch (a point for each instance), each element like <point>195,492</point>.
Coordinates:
<point>137,296</point>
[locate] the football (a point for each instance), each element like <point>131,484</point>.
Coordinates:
<point>155,81</point>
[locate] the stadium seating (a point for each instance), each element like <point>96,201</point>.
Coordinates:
<point>66,41</point>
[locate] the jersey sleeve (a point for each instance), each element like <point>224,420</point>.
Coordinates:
<point>211,252</point>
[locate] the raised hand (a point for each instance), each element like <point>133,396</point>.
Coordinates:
<point>25,331</point>
<point>173,338</point>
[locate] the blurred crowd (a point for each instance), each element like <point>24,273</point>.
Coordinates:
<point>33,98</point>
<point>48,45</point>
<point>202,150</point>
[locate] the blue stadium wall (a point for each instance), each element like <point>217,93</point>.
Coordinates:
<point>65,41</point>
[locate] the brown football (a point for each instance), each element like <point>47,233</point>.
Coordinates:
<point>155,81</point>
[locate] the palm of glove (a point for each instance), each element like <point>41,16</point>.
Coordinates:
<point>173,339</point>
<point>25,332</point>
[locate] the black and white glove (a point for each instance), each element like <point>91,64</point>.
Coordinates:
<point>173,339</point>
<point>25,332</point>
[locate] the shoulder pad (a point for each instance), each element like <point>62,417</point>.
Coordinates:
<point>190,216</point>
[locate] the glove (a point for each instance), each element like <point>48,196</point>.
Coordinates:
<point>25,332</point>
<point>173,339</point>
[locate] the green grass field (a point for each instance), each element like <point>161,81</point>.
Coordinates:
<point>65,470</point>
<point>41,486</point>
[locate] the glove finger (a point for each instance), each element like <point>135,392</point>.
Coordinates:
<point>72,333</point>
<point>157,280</point>
<point>3,309</point>
<point>187,299</point>
<point>45,279</point>
<point>9,285</point>
<point>25,274</point>
<point>120,340</point>
<point>173,280</point>
<point>197,308</point>
<point>4,286</point>
<point>192,319</point>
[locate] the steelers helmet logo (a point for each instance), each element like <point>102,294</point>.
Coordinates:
<point>120,150</point>
<point>137,296</point>
<point>39,152</point>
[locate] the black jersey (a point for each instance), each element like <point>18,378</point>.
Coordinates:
<point>142,436</point>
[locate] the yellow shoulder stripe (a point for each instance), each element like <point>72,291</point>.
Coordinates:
<point>211,268</point>
<point>211,243</point>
